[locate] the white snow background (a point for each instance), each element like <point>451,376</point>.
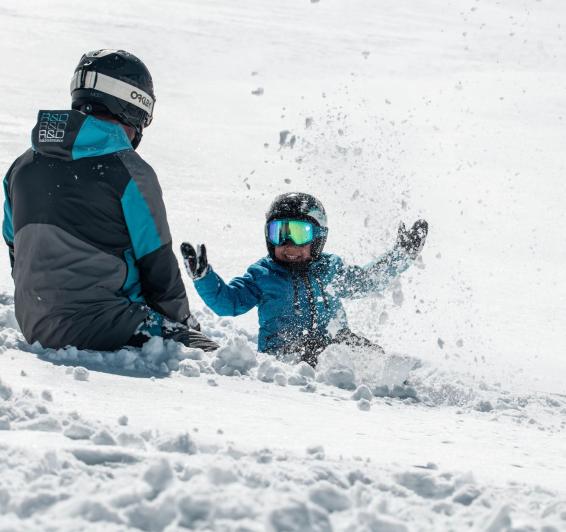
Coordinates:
<point>449,110</point>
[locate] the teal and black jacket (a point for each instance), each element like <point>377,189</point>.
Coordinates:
<point>89,242</point>
<point>297,304</point>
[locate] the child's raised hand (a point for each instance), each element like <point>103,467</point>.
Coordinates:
<point>195,261</point>
<point>413,240</point>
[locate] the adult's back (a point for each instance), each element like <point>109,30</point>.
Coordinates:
<point>85,222</point>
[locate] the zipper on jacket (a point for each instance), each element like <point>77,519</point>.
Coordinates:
<point>310,298</point>
<point>296,304</point>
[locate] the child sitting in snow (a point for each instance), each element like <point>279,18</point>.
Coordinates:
<point>298,288</point>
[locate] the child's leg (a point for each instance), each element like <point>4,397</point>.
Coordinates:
<point>306,349</point>
<point>312,348</point>
<point>347,337</point>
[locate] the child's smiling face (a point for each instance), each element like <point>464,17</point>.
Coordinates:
<point>290,253</point>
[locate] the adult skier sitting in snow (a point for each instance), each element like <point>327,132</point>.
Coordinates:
<point>298,288</point>
<point>85,223</point>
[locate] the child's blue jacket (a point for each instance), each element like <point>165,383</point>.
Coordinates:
<point>293,303</point>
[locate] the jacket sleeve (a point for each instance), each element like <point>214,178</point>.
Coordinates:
<point>353,282</point>
<point>7,224</point>
<point>146,219</point>
<point>237,297</point>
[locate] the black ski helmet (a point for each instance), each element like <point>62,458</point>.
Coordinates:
<point>298,206</point>
<point>116,82</point>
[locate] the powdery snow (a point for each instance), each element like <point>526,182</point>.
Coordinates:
<point>83,472</point>
<point>188,455</point>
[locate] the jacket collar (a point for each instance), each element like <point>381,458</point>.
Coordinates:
<point>72,135</point>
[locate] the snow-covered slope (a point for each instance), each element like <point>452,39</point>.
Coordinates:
<point>448,110</point>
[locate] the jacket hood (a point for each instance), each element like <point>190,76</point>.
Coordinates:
<point>72,135</point>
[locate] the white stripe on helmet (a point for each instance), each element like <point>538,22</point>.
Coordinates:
<point>113,87</point>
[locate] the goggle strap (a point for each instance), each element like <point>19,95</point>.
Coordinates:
<point>114,87</point>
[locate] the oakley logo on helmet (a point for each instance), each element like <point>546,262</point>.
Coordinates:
<point>142,99</point>
<point>114,87</point>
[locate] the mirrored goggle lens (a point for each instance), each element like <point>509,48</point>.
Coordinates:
<point>298,231</point>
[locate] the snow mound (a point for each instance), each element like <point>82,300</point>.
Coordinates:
<point>174,480</point>
<point>234,358</point>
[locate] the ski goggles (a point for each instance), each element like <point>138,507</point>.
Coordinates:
<point>300,232</point>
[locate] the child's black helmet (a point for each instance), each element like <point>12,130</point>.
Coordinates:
<point>116,82</point>
<point>298,206</point>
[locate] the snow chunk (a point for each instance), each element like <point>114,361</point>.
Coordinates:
<point>334,368</point>
<point>297,517</point>
<point>192,354</point>
<point>268,369</point>
<point>500,520</point>
<point>192,509</point>
<point>383,523</point>
<point>103,437</point>
<point>155,516</point>
<point>264,456</point>
<point>154,349</point>
<point>189,368</point>
<point>126,439</point>
<point>306,370</point>
<point>37,503</point>
<point>467,495</point>
<point>364,404</point>
<point>483,406</point>
<point>316,452</point>
<point>43,424</point>
<point>297,380</point>
<point>236,355</point>
<point>397,391</point>
<point>100,455</point>
<point>96,511</point>
<point>362,392</point>
<point>204,366</point>
<point>5,391</point>
<point>47,395</point>
<point>329,497</point>
<point>159,476</point>
<point>222,475</point>
<point>81,374</point>
<point>425,484</point>
<point>78,431</point>
<point>181,443</point>
<point>341,377</point>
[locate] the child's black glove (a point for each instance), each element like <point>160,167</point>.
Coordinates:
<point>196,262</point>
<point>412,241</point>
